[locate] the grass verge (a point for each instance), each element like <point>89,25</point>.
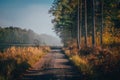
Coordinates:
<point>97,63</point>
<point>16,60</point>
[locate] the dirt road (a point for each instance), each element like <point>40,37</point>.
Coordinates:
<point>53,66</point>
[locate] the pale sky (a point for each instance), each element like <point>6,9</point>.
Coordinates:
<point>29,14</point>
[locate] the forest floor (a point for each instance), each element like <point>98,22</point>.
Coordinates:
<point>53,66</point>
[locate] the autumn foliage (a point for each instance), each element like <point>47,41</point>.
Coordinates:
<point>101,63</point>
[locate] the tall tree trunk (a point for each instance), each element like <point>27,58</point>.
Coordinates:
<point>101,30</point>
<point>86,23</point>
<point>93,30</point>
<point>78,26</point>
<point>80,21</point>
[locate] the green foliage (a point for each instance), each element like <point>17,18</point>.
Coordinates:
<point>64,18</point>
<point>16,35</point>
<point>65,21</point>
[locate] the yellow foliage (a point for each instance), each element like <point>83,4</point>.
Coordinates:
<point>20,58</point>
<point>96,61</point>
<point>82,64</point>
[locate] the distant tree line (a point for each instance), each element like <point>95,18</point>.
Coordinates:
<point>15,35</point>
<point>81,20</point>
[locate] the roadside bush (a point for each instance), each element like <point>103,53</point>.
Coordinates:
<point>16,60</point>
<point>98,63</point>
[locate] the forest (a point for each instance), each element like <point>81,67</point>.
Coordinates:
<point>90,22</point>
<point>16,35</point>
<point>90,31</point>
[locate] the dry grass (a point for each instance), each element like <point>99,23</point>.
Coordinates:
<point>82,64</point>
<point>15,60</point>
<point>97,63</point>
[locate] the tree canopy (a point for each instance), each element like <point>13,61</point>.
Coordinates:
<point>97,17</point>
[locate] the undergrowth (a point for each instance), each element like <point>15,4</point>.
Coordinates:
<point>16,60</point>
<point>96,63</point>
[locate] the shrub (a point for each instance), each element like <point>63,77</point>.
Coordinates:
<point>16,60</point>
<point>98,63</point>
<point>82,64</point>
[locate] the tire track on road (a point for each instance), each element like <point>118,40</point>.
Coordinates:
<point>53,66</point>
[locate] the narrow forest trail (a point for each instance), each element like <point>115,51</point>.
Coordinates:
<point>53,66</point>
